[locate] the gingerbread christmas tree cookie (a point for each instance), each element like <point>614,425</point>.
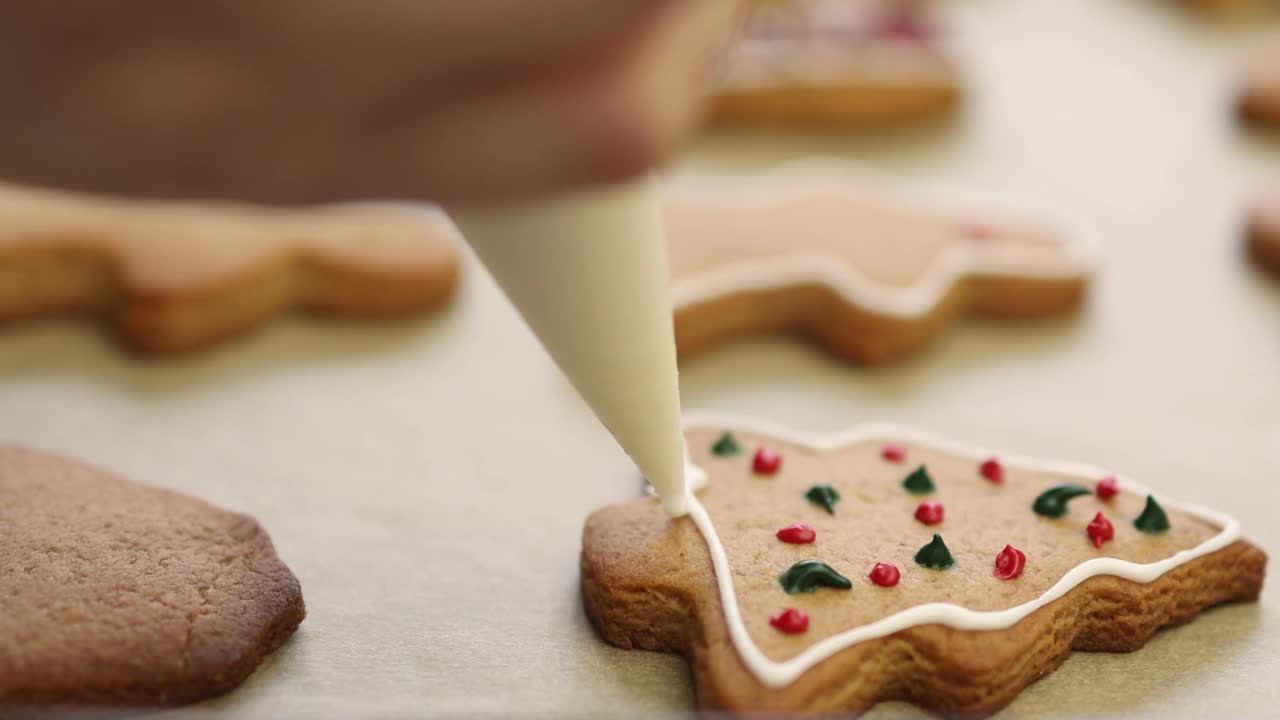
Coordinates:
<point>871,269</point>
<point>173,277</point>
<point>118,595</point>
<point>836,63</point>
<point>783,607</point>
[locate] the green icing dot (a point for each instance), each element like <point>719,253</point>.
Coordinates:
<point>935,555</point>
<point>807,576</point>
<point>918,482</point>
<point>824,496</point>
<point>1053,502</point>
<point>1152,520</point>
<point>726,446</point>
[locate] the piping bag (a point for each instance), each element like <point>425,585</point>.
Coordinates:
<point>587,270</point>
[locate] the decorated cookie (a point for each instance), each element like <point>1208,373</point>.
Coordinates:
<point>116,594</point>
<point>955,611</point>
<point>173,277</point>
<point>1260,87</point>
<point>836,62</point>
<point>870,271</point>
<point>1264,232</point>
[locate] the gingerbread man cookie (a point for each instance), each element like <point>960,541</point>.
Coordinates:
<point>836,62</point>
<point>825,251</point>
<point>119,595</point>
<point>173,277</point>
<point>1260,87</point>
<point>1264,232</point>
<point>828,574</point>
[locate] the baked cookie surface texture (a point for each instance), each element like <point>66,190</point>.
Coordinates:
<point>115,594</point>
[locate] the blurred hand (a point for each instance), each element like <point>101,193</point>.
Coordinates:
<point>459,101</point>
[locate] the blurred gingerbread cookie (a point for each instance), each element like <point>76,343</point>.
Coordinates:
<point>837,63</point>
<point>174,277</point>
<point>1226,8</point>
<point>1264,232</point>
<point>1259,100</point>
<point>870,270</point>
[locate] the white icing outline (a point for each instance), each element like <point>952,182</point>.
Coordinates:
<point>763,189</point>
<point>777,674</point>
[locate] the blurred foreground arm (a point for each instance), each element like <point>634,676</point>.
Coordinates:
<point>459,101</point>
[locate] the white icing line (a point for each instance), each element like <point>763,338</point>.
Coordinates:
<point>769,188</point>
<point>778,674</point>
<point>694,477</point>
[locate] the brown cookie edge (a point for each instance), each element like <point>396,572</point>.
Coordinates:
<point>936,667</point>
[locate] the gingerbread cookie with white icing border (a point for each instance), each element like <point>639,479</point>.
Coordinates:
<point>1259,94</point>
<point>1264,232</point>
<point>173,277</point>
<point>836,63</point>
<point>870,269</point>
<point>828,574</point>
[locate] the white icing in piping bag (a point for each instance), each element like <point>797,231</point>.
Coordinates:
<point>588,272</point>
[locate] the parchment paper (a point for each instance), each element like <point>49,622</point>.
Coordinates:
<point>427,481</point>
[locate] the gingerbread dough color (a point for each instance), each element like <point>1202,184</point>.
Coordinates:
<point>174,277</point>
<point>114,593</point>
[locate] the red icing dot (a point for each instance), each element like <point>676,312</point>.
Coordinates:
<point>929,512</point>
<point>790,621</point>
<point>798,534</point>
<point>893,452</point>
<point>992,470</point>
<point>1100,530</point>
<point>1108,487</point>
<point>1009,563</point>
<point>766,462</point>
<point>885,575</point>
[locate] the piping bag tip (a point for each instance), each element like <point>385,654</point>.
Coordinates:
<point>588,272</point>
<point>676,505</point>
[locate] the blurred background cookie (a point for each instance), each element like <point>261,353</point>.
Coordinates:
<point>870,270</point>
<point>175,277</point>
<point>1260,86</point>
<point>1264,231</point>
<point>1226,8</point>
<point>836,63</point>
